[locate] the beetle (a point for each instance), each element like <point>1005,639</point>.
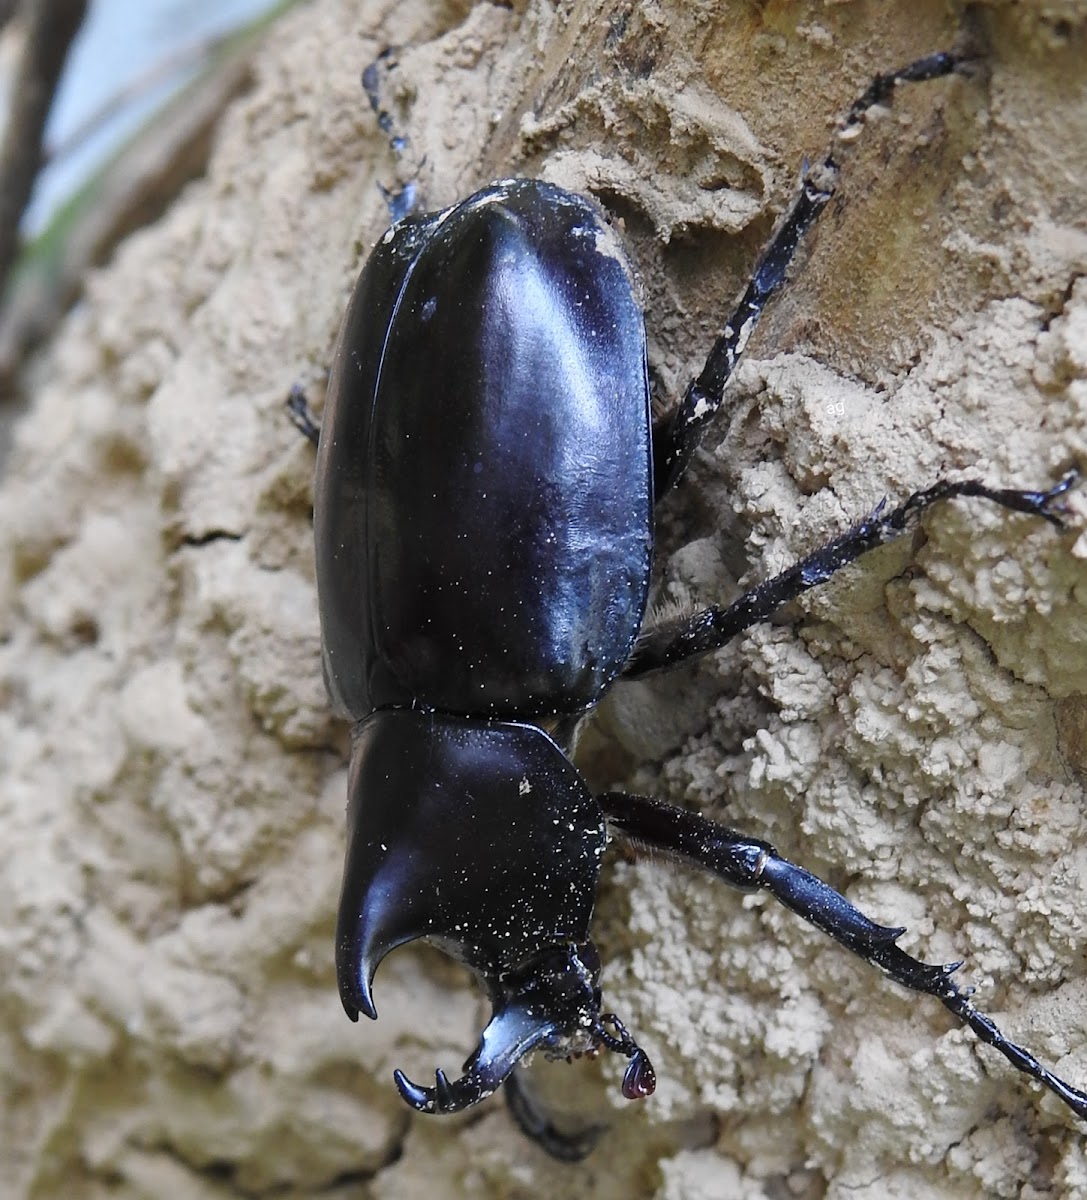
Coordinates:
<point>487,472</point>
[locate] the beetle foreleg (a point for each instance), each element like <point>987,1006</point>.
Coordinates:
<point>750,864</point>
<point>712,628</point>
<point>678,433</point>
<point>535,1122</point>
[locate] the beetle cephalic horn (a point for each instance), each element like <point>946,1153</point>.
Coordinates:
<point>512,1032</point>
<point>554,1003</point>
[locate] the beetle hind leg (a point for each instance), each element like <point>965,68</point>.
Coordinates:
<point>403,200</point>
<point>678,433</point>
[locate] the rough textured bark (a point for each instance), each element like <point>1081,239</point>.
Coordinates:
<point>171,781</point>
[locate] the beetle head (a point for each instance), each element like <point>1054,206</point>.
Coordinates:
<point>553,1004</point>
<point>483,838</point>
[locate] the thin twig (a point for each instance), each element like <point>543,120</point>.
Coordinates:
<point>51,26</point>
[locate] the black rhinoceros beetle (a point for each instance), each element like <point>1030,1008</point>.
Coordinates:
<point>483,513</point>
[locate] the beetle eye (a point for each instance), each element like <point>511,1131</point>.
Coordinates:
<point>590,958</point>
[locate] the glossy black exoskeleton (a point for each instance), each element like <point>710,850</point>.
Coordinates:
<point>484,528</point>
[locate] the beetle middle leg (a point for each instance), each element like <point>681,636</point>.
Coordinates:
<point>301,415</point>
<point>686,637</point>
<point>750,864</point>
<point>677,434</point>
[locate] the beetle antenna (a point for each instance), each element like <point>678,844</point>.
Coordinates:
<point>640,1080</point>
